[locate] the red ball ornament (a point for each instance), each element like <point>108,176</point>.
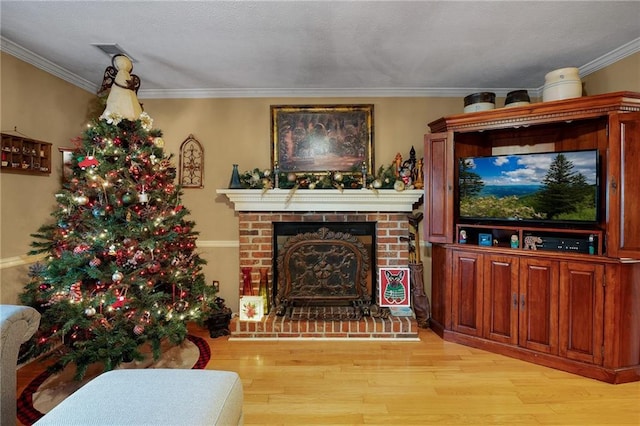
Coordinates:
<point>154,267</point>
<point>138,329</point>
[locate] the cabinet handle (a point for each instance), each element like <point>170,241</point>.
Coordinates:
<point>515,300</point>
<point>614,184</point>
<point>522,301</point>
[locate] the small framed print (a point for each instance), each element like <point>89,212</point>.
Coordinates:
<point>67,164</point>
<point>394,287</point>
<point>251,308</point>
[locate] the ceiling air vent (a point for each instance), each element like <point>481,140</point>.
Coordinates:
<point>111,49</point>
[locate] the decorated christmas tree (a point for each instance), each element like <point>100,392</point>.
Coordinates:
<point>121,267</point>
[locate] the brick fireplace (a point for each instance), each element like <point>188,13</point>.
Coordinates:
<point>259,210</point>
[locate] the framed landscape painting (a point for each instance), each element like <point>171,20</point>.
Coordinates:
<point>317,139</point>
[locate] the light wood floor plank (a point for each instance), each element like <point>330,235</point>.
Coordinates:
<point>406,383</point>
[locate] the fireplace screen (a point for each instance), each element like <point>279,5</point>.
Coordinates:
<point>324,268</point>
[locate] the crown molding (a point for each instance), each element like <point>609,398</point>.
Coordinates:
<point>372,92</point>
<point>609,58</point>
<point>419,92</point>
<point>605,60</point>
<point>46,65</point>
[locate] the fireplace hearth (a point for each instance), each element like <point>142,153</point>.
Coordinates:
<point>260,213</point>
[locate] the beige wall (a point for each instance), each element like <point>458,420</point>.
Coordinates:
<point>620,76</point>
<point>231,131</point>
<point>42,107</point>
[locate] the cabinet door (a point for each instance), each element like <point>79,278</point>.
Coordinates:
<point>623,181</point>
<point>466,294</point>
<point>438,187</point>
<point>581,311</point>
<point>538,316</point>
<point>501,298</point>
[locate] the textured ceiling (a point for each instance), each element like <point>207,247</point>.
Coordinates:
<point>307,48</point>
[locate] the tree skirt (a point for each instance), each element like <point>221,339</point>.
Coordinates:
<point>48,390</point>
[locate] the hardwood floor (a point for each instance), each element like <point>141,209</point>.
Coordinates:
<point>410,383</point>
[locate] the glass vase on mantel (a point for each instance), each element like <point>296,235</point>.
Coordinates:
<point>235,183</point>
<point>263,289</point>
<point>247,287</point>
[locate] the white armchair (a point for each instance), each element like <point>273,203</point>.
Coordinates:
<point>17,325</point>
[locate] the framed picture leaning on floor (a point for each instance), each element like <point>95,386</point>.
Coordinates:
<point>394,287</point>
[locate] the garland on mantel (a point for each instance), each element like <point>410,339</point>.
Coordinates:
<point>399,176</point>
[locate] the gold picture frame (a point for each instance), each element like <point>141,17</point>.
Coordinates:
<point>322,138</point>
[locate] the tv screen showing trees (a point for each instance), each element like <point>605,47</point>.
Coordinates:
<point>552,187</point>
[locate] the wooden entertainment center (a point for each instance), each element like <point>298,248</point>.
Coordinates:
<point>564,309</point>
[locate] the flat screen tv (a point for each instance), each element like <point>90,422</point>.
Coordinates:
<point>551,188</point>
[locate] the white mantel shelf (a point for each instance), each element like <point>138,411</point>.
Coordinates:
<point>349,200</point>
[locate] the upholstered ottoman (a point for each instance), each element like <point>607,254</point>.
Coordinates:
<point>153,397</point>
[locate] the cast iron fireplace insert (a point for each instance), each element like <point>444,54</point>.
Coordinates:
<point>324,264</point>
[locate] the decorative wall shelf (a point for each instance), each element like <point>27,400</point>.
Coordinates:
<point>361,200</point>
<point>25,156</point>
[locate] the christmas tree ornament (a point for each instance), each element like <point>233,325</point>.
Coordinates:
<point>122,100</point>
<point>127,198</point>
<point>99,211</point>
<point>154,267</point>
<point>87,162</point>
<point>119,303</point>
<point>117,276</point>
<point>91,311</point>
<point>82,200</point>
<point>81,248</point>
<point>75,293</point>
<point>181,305</point>
<point>138,329</point>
